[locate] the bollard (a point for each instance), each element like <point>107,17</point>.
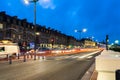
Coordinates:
<point>18,56</point>
<point>35,56</point>
<point>10,59</point>
<point>31,55</point>
<point>24,58</point>
<point>7,57</point>
<point>42,57</point>
<point>38,57</point>
<point>27,56</point>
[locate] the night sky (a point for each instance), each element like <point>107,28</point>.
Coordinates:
<point>99,17</point>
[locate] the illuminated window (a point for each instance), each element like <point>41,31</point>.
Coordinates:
<point>13,35</point>
<point>1,26</point>
<point>19,36</point>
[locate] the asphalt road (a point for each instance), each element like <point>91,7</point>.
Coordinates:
<point>69,67</point>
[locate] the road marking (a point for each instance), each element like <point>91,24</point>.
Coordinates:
<point>75,56</point>
<point>88,54</point>
<point>89,57</point>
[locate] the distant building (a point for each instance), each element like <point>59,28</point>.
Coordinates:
<point>87,43</point>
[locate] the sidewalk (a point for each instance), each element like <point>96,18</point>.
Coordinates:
<point>91,74</point>
<point>17,60</point>
<point>106,58</point>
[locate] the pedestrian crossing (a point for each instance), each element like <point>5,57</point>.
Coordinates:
<point>70,57</point>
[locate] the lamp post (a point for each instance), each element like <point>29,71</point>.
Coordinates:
<point>27,2</point>
<point>37,38</point>
<point>80,31</point>
<point>107,40</point>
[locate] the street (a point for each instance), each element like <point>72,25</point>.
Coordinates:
<point>68,67</point>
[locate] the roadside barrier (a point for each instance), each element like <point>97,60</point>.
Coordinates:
<point>34,56</point>
<point>31,54</point>
<point>10,59</point>
<point>27,56</point>
<point>18,56</point>
<point>7,57</point>
<point>38,57</point>
<point>24,57</point>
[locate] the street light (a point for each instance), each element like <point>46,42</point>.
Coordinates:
<point>116,41</point>
<point>92,38</point>
<point>37,33</point>
<point>33,1</point>
<point>80,31</point>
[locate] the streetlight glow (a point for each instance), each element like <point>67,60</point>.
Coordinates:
<point>117,41</point>
<point>92,37</point>
<point>37,33</point>
<point>112,43</point>
<point>76,30</point>
<point>26,1</point>
<point>80,31</point>
<point>84,30</point>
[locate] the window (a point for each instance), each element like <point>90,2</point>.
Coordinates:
<point>1,35</point>
<point>19,23</point>
<point>8,20</point>
<point>1,18</point>
<point>2,49</point>
<point>1,26</point>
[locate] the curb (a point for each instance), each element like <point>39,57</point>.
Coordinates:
<point>89,73</point>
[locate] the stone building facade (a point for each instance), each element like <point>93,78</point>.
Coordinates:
<point>19,31</point>
<point>88,43</point>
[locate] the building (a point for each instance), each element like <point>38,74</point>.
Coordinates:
<point>22,32</point>
<point>88,43</point>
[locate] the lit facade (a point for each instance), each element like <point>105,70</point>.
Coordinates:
<point>18,31</point>
<point>88,43</point>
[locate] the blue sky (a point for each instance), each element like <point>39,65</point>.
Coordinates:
<point>99,17</point>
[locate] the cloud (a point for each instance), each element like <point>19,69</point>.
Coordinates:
<point>47,4</point>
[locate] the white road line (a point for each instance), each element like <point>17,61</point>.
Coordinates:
<point>88,54</point>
